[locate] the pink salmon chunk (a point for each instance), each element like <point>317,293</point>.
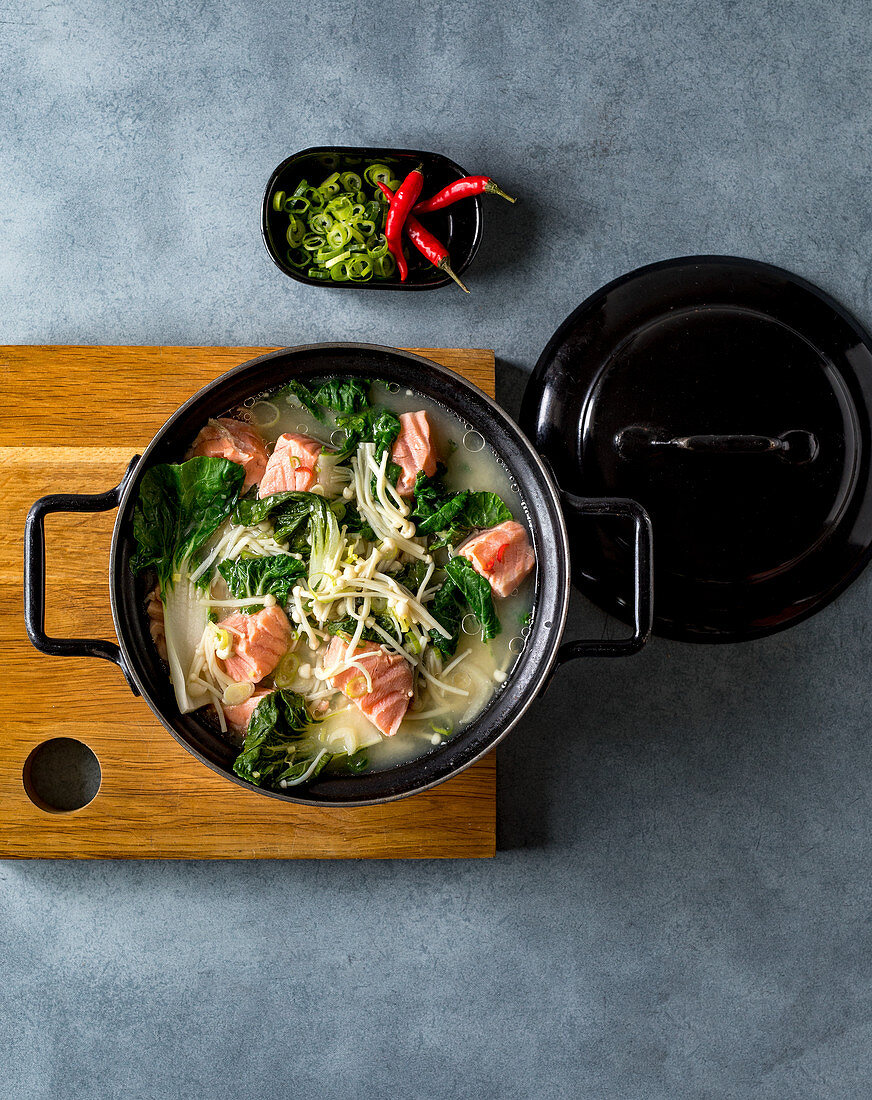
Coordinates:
<point>501,554</point>
<point>237,442</point>
<point>238,716</point>
<point>386,705</point>
<point>413,450</point>
<point>259,643</point>
<point>291,466</point>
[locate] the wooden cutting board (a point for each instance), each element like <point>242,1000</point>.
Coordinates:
<point>72,417</point>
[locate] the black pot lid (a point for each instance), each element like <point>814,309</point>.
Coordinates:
<point>732,400</point>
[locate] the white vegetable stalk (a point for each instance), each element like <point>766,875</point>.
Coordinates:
<point>332,477</point>
<point>186,616</point>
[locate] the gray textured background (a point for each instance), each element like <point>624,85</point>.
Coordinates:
<point>681,905</point>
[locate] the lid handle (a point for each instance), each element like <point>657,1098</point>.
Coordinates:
<point>797,447</point>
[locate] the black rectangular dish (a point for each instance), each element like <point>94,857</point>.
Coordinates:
<point>459,227</point>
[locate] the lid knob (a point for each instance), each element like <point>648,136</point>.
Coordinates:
<point>797,446</point>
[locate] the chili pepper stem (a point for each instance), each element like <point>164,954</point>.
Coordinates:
<point>490,188</point>
<point>445,266</point>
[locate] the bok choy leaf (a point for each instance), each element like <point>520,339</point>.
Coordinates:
<point>280,749</point>
<point>342,395</point>
<point>476,591</point>
<point>448,608</point>
<point>274,576</point>
<point>178,509</point>
<point>296,516</point>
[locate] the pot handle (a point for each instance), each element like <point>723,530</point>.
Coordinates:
<point>34,574</point>
<point>643,601</point>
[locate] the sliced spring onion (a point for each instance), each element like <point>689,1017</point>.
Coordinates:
<point>377,173</point>
<point>335,232</point>
<point>384,266</point>
<point>321,222</point>
<point>331,186</point>
<point>360,268</point>
<point>337,235</point>
<point>287,670</point>
<point>337,260</point>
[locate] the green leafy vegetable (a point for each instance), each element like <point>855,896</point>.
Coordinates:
<point>296,517</point>
<point>444,516</point>
<point>373,425</point>
<point>178,509</point>
<point>476,592</point>
<point>343,395</point>
<point>348,626</point>
<point>451,516</point>
<point>279,747</point>
<point>412,575</point>
<point>483,509</point>
<point>289,512</point>
<point>356,524</point>
<point>448,608</point>
<point>429,494</point>
<point>357,762</point>
<point>301,391</point>
<point>247,577</point>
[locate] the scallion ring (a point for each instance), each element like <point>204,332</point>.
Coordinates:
<point>377,173</point>
<point>296,231</point>
<point>320,222</point>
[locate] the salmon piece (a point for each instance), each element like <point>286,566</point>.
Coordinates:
<point>259,643</point>
<point>413,450</point>
<point>501,554</point>
<point>237,442</point>
<point>154,609</point>
<point>386,705</point>
<point>291,466</point>
<point>238,717</point>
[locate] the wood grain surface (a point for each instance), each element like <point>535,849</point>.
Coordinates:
<point>72,418</point>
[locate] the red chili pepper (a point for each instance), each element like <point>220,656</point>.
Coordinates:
<point>461,189</point>
<point>428,245</point>
<point>402,202</point>
<point>498,557</point>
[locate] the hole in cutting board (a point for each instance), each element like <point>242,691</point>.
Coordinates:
<point>61,775</point>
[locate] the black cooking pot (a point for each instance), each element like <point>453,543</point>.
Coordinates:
<point>541,500</point>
